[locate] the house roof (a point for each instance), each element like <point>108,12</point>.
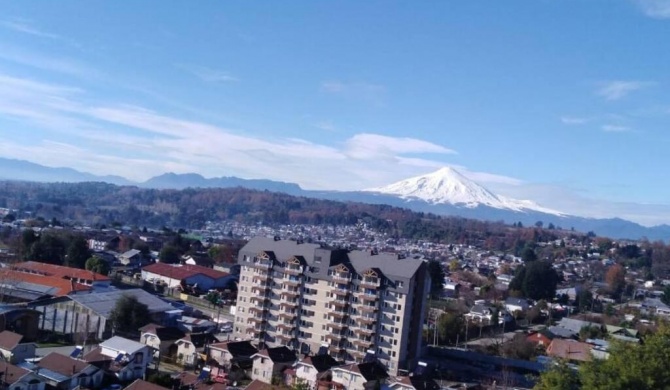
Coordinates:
<point>370,371</point>
<point>575,325</point>
<point>562,332</point>
<point>9,340</point>
<point>417,382</point>
<point>62,364</point>
<point>570,350</point>
<point>122,344</point>
<point>102,303</point>
<point>140,384</point>
<point>481,309</point>
<point>237,348</point>
<point>180,272</point>
<point>131,253</point>
<point>58,271</point>
<point>11,373</point>
<point>279,354</point>
<point>516,301</point>
<point>321,362</point>
<point>258,385</point>
<point>164,333</point>
<point>51,285</point>
<point>199,339</point>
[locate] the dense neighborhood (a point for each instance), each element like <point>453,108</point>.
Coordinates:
<point>315,306</point>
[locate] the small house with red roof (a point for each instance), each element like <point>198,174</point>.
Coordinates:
<point>175,275</point>
<point>12,348</point>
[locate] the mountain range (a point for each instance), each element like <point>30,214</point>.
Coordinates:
<point>444,192</point>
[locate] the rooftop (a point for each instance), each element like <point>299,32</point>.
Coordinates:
<point>52,285</point>
<point>102,303</point>
<point>140,384</point>
<point>62,364</point>
<point>9,340</point>
<point>183,271</point>
<point>58,271</point>
<point>122,345</point>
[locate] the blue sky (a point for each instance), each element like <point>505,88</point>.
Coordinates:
<point>563,102</point>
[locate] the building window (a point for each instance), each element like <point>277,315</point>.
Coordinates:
<point>400,284</point>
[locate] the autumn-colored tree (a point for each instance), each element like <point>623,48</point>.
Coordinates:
<point>616,279</point>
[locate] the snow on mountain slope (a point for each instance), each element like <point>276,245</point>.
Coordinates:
<point>448,186</point>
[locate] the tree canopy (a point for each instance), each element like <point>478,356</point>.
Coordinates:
<point>77,252</point>
<point>436,278</point>
<point>98,265</point>
<point>129,314</point>
<point>536,280</point>
<point>643,366</point>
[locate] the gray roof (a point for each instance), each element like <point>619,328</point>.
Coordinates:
<point>575,325</point>
<point>131,253</point>
<point>281,250</point>
<point>102,303</point>
<point>122,345</point>
<point>562,332</point>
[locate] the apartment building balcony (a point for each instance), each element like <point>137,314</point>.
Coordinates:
<point>339,308</point>
<point>287,326</point>
<point>255,333</point>
<point>261,289</point>
<point>372,283</point>
<point>336,339</point>
<point>340,277</point>
<point>257,322</point>
<point>291,304</point>
<point>368,308</point>
<point>366,320</point>
<point>357,354</point>
<point>259,299</point>
<point>262,263</point>
<point>260,278</point>
<point>288,314</point>
<point>286,337</point>
<point>362,343</point>
<point>293,270</point>
<point>290,293</point>
<point>290,282</point>
<point>340,292</point>
<point>368,297</point>
<point>363,331</point>
<point>259,309</point>
<point>339,326</point>
<point>336,348</point>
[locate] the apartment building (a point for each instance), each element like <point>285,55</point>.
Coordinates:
<point>356,304</point>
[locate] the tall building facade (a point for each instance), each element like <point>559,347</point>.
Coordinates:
<point>353,303</point>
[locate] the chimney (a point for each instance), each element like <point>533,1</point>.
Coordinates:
<point>72,285</point>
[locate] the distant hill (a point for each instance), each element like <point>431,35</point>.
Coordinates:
<point>444,192</point>
<point>22,170</point>
<point>193,180</point>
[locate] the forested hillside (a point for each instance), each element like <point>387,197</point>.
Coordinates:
<point>100,203</point>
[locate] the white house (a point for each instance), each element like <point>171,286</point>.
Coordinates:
<point>71,373</point>
<point>514,305</point>
<point>313,369</point>
<point>123,358</point>
<point>359,376</point>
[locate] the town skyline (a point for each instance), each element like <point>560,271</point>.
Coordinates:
<point>573,119</point>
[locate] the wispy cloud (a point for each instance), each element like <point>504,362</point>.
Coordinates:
<point>26,27</point>
<point>615,129</point>
<point>370,93</point>
<point>41,61</point>
<point>208,74</point>
<point>573,120</point>
<point>618,89</point>
<point>658,9</point>
<point>325,125</point>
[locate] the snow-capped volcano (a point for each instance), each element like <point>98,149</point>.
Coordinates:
<point>448,186</point>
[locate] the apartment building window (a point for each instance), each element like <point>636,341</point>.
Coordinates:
<point>317,259</point>
<point>400,284</point>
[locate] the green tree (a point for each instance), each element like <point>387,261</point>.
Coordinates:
<point>665,298</point>
<point>169,255</point>
<point>129,314</point>
<point>98,265</point>
<point>559,377</point>
<point>436,273</point>
<point>50,248</point>
<point>584,300</point>
<point>536,280</point>
<point>77,253</point>
<point>449,326</point>
<point>528,254</point>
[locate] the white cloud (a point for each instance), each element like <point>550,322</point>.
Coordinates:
<point>41,61</point>
<point>208,74</point>
<point>615,129</point>
<point>25,27</point>
<point>659,9</point>
<point>618,89</point>
<point>573,120</point>
<point>367,146</point>
<point>370,93</point>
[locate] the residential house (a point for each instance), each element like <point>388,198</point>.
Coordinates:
<point>481,312</point>
<point>123,358</point>
<point>189,381</point>
<point>19,378</point>
<point>313,370</point>
<point>66,373</point>
<point>514,305</point>
<point>176,275</point>
<point>192,346</point>
<point>570,350</point>
<point>132,257</point>
<point>541,339</point>
<point>412,383</point>
<point>228,355</point>
<point>196,325</point>
<point>13,350</point>
<point>270,363</point>
<point>140,384</point>
<point>162,339</point>
<point>359,376</point>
